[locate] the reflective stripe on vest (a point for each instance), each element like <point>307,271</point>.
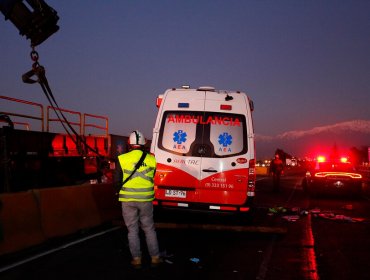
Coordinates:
<point>126,197</point>
<point>141,174</point>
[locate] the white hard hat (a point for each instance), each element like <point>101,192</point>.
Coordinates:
<point>136,138</point>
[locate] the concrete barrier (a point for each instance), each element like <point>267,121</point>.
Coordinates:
<point>20,222</point>
<point>107,203</point>
<point>31,218</point>
<point>66,210</point>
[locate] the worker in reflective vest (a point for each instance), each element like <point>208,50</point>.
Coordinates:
<point>136,196</point>
<point>139,187</point>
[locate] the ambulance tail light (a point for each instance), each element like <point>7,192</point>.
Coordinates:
<point>226,107</point>
<point>159,100</point>
<point>252,178</point>
<point>244,209</point>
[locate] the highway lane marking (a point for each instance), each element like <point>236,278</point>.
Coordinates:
<point>293,192</point>
<point>309,252</point>
<point>264,267</point>
<point>64,246</point>
<point>266,260</point>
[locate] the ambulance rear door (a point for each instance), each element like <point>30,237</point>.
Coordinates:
<point>178,167</point>
<point>224,172</point>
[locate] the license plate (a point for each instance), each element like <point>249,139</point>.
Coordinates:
<point>175,193</point>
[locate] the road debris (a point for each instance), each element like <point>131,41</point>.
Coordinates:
<point>289,214</point>
<point>276,210</point>
<point>291,218</point>
<point>339,217</point>
<point>167,257</point>
<point>195,260</point>
<point>315,211</point>
<point>330,215</point>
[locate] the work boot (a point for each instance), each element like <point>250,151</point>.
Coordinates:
<point>156,261</point>
<point>136,262</point>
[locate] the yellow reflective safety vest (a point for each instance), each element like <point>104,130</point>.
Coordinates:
<point>140,187</point>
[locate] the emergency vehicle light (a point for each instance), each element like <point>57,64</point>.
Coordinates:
<point>159,100</point>
<point>333,174</point>
<point>321,159</point>
<point>226,107</point>
<point>183,105</point>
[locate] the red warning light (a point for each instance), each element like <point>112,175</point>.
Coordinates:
<point>343,159</point>
<point>226,107</point>
<point>321,159</point>
<point>159,101</point>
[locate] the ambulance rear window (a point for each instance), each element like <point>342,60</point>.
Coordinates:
<point>177,135</point>
<point>203,134</point>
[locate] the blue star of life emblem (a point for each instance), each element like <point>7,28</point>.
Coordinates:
<point>225,139</point>
<point>179,136</point>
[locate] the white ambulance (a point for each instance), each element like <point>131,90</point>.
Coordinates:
<point>203,141</point>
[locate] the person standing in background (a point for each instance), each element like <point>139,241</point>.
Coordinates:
<point>276,169</point>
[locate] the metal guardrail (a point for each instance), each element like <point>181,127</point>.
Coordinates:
<point>49,119</point>
<point>39,118</point>
<point>105,128</point>
<point>82,122</point>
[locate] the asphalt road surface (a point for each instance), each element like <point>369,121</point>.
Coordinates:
<point>290,236</point>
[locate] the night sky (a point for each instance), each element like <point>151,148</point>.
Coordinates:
<point>304,63</point>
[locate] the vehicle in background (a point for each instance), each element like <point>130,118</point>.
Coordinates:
<point>203,141</point>
<point>332,175</point>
